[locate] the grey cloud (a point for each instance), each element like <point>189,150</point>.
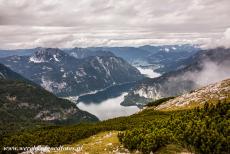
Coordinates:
<point>28,23</point>
<point>211,72</point>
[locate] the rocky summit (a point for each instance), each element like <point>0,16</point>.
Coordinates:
<point>213,93</point>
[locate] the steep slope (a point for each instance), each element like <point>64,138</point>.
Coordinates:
<point>64,75</point>
<point>6,73</point>
<point>205,67</point>
<point>212,93</point>
<point>23,104</point>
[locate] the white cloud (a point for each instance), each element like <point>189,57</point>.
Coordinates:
<point>29,23</point>
<point>224,41</point>
<point>211,72</point>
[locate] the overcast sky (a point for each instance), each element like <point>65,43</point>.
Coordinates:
<point>82,23</point>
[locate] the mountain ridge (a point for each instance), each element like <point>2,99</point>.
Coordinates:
<point>64,75</point>
<point>23,105</point>
<point>212,93</point>
<point>205,67</point>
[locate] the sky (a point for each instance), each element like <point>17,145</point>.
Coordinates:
<point>85,23</point>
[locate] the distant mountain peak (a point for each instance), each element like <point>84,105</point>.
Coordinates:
<point>80,53</point>
<point>42,55</point>
<point>65,75</point>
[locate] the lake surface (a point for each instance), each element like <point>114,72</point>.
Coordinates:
<point>109,108</point>
<point>148,72</point>
<point>105,104</point>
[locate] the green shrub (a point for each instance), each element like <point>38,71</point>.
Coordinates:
<point>204,130</point>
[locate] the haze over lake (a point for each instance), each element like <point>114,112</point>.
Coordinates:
<point>109,108</point>
<point>148,72</point>
<point>106,104</point>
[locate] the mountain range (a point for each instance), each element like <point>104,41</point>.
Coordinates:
<point>74,73</point>
<point>189,107</point>
<point>164,58</point>
<point>203,68</point>
<point>78,71</point>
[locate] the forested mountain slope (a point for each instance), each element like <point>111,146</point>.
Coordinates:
<point>198,130</point>
<point>23,104</point>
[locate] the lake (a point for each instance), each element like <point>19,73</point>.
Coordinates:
<point>109,108</point>
<point>105,104</point>
<point>148,72</point>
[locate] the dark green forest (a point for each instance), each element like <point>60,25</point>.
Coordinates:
<point>21,102</point>
<point>205,130</point>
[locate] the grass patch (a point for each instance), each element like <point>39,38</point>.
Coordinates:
<point>101,143</point>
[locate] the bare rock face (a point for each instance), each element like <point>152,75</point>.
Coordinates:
<point>212,93</point>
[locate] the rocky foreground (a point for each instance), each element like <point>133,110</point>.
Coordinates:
<point>212,93</point>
